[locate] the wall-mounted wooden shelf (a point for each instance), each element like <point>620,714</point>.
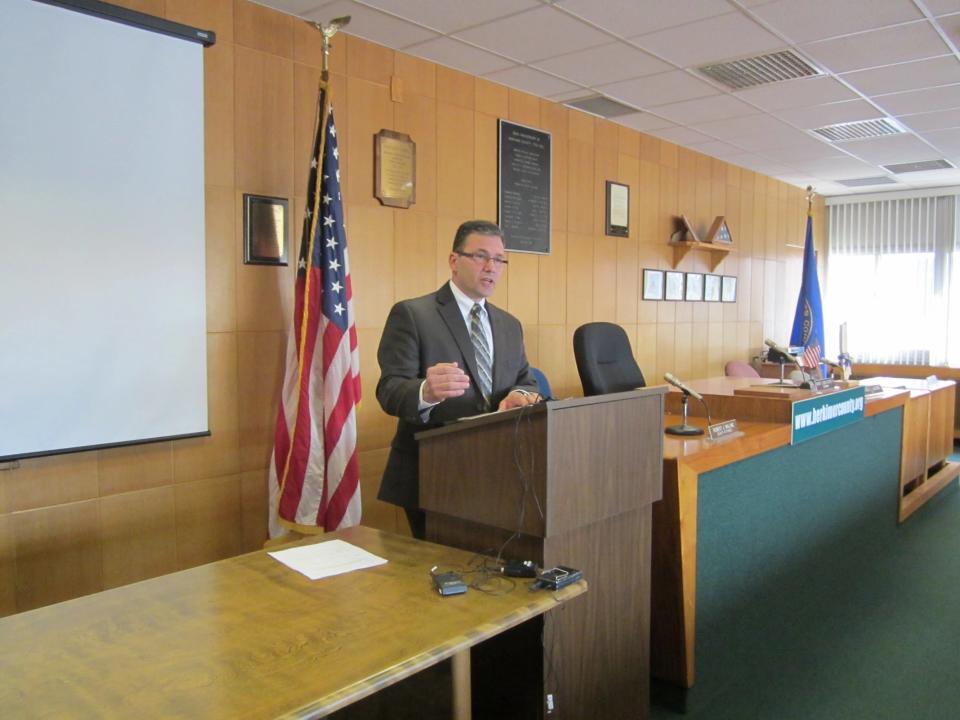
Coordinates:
<point>717,251</point>
<point>685,239</point>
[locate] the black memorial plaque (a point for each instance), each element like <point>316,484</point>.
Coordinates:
<point>523,202</point>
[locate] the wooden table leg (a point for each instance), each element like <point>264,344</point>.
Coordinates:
<point>461,685</point>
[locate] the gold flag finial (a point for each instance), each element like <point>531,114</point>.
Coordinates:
<point>328,31</point>
<point>811,194</point>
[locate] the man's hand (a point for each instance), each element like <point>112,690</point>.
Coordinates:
<point>444,380</point>
<point>518,399</point>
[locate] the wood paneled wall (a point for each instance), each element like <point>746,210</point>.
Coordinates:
<point>75,524</point>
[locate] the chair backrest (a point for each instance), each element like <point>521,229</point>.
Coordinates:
<point>605,360</point>
<point>738,368</point>
<point>543,385</point>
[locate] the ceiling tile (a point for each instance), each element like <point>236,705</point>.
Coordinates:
<point>796,93</point>
<point>530,80</point>
<point>451,15</point>
<point>718,38</point>
<point>931,178</point>
<point>838,168</point>
<point>942,7</point>
<point>534,34</point>
<point>738,127</point>
<point>373,25</point>
<point>659,89</point>
<point>943,70</point>
<point>643,122</point>
<point>821,115</point>
<point>918,101</point>
<point>891,149</point>
<point>296,7</point>
<point>716,148</point>
<point>604,64</point>
<point>717,107</point>
<point>681,135</point>
<point>801,152</point>
<point>629,17</point>
<point>903,43</point>
<point>939,120</point>
<point>459,55</point>
<point>947,141</point>
<point>818,19</point>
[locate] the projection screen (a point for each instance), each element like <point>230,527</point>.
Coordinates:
<point>102,297</point>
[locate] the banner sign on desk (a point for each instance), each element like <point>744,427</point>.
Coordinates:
<point>825,413</point>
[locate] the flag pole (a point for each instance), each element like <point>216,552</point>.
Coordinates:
<point>811,194</point>
<point>328,32</point>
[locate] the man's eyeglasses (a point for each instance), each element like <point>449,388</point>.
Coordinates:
<point>481,259</point>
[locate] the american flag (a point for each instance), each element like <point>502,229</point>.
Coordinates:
<point>314,473</point>
<point>811,356</point>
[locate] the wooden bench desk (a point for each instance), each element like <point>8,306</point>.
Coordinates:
<point>248,637</point>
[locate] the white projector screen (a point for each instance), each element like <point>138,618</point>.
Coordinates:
<point>102,297</point>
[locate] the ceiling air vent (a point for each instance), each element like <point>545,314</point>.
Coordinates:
<point>760,70</point>
<point>863,182</point>
<point>918,166</point>
<point>602,106</point>
<point>860,130</point>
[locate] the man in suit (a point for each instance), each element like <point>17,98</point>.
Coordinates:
<point>447,355</point>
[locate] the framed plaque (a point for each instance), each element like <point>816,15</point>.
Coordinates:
<point>728,289</point>
<point>523,187</point>
<point>673,286</point>
<point>652,284</point>
<point>618,209</point>
<point>395,169</point>
<point>265,230</point>
<point>694,291</point>
<point>711,288</point>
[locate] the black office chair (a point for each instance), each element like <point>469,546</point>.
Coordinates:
<point>605,359</point>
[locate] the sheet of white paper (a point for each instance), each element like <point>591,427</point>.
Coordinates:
<point>324,559</point>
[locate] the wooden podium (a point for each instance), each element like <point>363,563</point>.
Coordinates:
<point>576,480</point>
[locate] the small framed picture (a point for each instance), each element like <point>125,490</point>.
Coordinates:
<point>652,284</point>
<point>265,230</point>
<point>674,286</point>
<point>694,287</point>
<point>728,291</point>
<point>618,209</point>
<point>711,288</point>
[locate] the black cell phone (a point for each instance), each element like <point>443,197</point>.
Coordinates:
<point>558,577</point>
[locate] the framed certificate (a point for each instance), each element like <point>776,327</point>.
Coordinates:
<point>674,286</point>
<point>711,288</point>
<point>652,284</point>
<point>618,209</point>
<point>694,287</point>
<point>728,289</point>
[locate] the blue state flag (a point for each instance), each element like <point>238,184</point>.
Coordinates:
<point>808,320</point>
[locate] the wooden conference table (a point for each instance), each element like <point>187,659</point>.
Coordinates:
<point>248,637</point>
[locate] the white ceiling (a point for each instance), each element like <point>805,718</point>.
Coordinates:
<point>880,58</point>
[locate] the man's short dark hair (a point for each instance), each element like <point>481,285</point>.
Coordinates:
<point>480,227</point>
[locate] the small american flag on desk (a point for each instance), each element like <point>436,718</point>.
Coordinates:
<point>314,474</point>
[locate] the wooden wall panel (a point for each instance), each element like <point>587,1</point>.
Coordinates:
<point>77,523</point>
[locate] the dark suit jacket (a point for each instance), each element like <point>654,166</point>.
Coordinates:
<point>420,333</point>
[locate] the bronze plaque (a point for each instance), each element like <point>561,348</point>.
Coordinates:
<point>395,169</point>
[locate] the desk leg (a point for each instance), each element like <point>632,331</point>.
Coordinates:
<point>461,685</point>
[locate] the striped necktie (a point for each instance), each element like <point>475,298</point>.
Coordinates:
<point>482,352</point>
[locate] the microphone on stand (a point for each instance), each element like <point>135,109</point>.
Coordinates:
<point>684,428</point>
<point>789,357</point>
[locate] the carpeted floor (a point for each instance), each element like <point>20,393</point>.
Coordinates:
<point>884,644</point>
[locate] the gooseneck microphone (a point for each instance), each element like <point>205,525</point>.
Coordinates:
<point>782,350</point>
<point>670,378</point>
<point>684,428</point>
